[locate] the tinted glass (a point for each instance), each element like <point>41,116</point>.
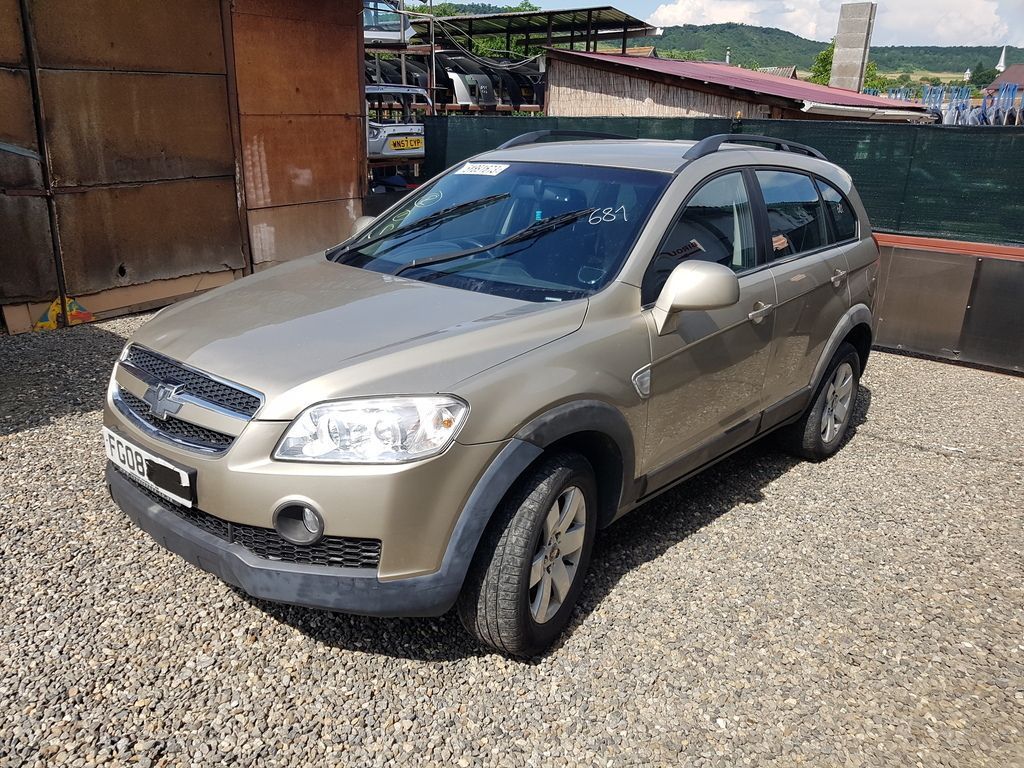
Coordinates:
<point>716,225</point>
<point>796,220</point>
<point>843,217</point>
<point>569,262</point>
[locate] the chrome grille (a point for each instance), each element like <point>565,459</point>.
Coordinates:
<point>196,383</point>
<point>333,551</point>
<point>193,434</point>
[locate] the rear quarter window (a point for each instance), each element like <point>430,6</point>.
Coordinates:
<point>843,217</point>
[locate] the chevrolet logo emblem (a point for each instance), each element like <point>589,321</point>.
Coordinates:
<point>163,400</point>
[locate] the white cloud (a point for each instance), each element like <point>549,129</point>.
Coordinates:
<point>899,22</point>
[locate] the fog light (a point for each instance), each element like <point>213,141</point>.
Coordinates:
<point>312,521</point>
<point>299,524</point>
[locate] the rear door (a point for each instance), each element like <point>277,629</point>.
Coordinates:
<point>810,270</point>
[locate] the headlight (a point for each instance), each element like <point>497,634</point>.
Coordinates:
<point>374,133</point>
<point>373,431</point>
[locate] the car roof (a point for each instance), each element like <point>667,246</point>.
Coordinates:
<point>640,154</point>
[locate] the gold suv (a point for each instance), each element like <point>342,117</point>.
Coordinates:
<point>445,409</point>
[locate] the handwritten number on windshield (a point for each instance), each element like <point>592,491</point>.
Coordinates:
<point>608,215</point>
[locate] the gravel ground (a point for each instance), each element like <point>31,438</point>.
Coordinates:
<point>865,611</point>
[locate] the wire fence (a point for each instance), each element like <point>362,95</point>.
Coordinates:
<point>954,182</point>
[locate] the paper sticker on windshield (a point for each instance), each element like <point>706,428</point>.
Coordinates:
<point>481,169</point>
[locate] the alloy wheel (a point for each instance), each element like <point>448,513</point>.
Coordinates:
<point>556,561</point>
<point>838,401</point>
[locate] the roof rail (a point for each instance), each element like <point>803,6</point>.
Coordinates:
<point>535,136</point>
<point>712,144</point>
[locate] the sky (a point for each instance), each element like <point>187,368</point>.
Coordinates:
<point>899,22</point>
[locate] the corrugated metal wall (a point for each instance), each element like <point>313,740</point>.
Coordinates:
<point>298,65</point>
<point>137,155</point>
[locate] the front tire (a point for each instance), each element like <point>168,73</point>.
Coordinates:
<point>820,432</point>
<point>527,573</point>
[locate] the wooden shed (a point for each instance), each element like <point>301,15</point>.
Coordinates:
<point>584,84</point>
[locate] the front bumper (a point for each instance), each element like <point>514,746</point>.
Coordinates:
<point>348,590</point>
<point>351,590</point>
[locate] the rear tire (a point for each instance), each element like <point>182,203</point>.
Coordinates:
<point>527,573</point>
<point>820,432</point>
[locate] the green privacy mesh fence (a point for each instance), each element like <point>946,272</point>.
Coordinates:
<point>963,183</point>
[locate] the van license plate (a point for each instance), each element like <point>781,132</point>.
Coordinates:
<point>161,476</point>
<point>405,143</point>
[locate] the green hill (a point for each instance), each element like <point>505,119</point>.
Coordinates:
<point>769,47</point>
<point>764,46</point>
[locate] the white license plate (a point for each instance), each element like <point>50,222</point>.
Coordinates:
<point>161,476</point>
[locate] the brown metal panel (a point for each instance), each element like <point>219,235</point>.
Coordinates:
<point>105,127</point>
<point>12,39</point>
<point>924,301</point>
<point>994,327</point>
<point>342,12</point>
<point>128,235</point>
<point>284,66</point>
<point>17,124</point>
<point>290,160</point>
<point>291,231</point>
<point>19,159</point>
<point>27,271</point>
<point>20,171</point>
<point>179,36</point>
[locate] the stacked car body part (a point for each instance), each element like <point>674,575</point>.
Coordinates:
<point>465,80</point>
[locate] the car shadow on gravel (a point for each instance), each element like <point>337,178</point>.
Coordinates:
<point>639,538</point>
<point>50,374</point>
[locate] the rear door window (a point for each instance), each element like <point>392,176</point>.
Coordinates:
<point>796,217</point>
<point>843,217</point>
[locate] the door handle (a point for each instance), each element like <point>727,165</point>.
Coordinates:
<point>838,277</point>
<point>761,311</point>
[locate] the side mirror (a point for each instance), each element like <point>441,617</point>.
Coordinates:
<point>695,285</point>
<point>360,224</point>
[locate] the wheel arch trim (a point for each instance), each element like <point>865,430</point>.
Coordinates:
<point>857,315</point>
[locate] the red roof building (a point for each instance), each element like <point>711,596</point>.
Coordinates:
<point>595,84</point>
<point>1014,75</point>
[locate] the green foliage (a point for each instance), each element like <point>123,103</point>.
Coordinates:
<point>982,76</point>
<point>750,45</point>
<point>873,80</point>
<point>775,47</point>
<point>464,9</point>
<point>821,69</point>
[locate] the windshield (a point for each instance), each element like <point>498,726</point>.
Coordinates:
<point>529,231</point>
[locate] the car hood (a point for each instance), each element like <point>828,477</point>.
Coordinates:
<point>313,330</point>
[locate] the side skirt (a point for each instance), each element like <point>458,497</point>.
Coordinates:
<point>780,415</point>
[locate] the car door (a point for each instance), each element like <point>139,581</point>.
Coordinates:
<point>810,271</point>
<point>707,374</point>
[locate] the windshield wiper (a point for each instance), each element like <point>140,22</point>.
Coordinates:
<point>446,214</point>
<point>537,229</point>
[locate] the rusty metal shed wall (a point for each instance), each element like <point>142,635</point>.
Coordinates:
<point>130,35</point>
<point>115,127</point>
<point>140,162</point>
<point>27,269</point>
<point>114,236</point>
<point>12,41</point>
<point>299,74</point>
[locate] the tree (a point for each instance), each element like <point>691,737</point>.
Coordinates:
<point>874,81</point>
<point>982,76</point>
<point>821,69</point>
